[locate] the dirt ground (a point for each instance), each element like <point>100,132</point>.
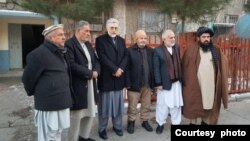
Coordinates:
<point>17,113</point>
<point>16,122</point>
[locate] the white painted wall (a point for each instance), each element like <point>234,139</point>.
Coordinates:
<point>4,21</point>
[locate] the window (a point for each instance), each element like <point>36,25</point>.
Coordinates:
<point>151,21</point>
<point>97,22</point>
<point>231,18</point>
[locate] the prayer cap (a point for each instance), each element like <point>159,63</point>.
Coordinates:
<point>51,28</point>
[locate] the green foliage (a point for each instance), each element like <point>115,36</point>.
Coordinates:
<point>72,9</point>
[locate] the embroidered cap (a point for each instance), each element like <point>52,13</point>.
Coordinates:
<point>51,28</point>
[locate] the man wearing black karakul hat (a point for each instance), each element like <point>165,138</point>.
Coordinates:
<point>204,79</point>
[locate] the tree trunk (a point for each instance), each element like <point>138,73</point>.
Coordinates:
<point>183,24</point>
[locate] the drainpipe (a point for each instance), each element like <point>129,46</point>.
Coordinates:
<point>56,19</point>
<point>238,97</point>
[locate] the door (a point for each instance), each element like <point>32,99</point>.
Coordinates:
<point>15,46</point>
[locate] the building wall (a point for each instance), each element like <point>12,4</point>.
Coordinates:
<point>133,10</point>
<point>119,12</point>
<point>4,46</point>
<point>234,8</point>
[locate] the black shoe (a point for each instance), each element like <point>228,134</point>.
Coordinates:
<point>118,131</point>
<point>203,123</point>
<point>130,127</point>
<point>147,126</point>
<point>83,139</point>
<point>159,129</point>
<point>103,135</point>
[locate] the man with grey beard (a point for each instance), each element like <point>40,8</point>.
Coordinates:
<point>111,50</point>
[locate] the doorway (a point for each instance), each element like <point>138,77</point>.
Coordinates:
<point>31,38</point>
<point>23,38</point>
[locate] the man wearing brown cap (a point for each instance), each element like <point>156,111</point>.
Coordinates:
<point>46,77</point>
<point>204,79</point>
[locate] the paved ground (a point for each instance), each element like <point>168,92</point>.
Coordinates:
<point>16,117</point>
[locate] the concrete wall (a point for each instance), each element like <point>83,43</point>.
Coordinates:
<point>133,10</point>
<point>234,8</point>
<point>119,12</point>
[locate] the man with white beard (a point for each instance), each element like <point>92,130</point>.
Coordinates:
<point>167,75</point>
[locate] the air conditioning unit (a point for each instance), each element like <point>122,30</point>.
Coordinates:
<point>3,1</point>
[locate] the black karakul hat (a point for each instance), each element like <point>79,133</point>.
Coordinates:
<point>202,30</point>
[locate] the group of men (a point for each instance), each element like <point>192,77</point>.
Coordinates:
<point>68,78</point>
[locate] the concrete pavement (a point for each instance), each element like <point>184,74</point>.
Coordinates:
<point>16,117</point>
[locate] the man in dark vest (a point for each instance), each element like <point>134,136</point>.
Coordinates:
<point>167,74</point>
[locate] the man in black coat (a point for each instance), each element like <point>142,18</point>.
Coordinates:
<point>111,50</point>
<point>85,69</point>
<point>46,78</point>
<point>139,81</point>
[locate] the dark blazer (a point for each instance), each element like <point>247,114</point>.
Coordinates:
<point>134,70</point>
<point>80,72</point>
<point>46,77</point>
<point>160,67</point>
<point>111,58</point>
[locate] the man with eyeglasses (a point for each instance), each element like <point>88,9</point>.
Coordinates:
<point>111,50</point>
<point>204,79</point>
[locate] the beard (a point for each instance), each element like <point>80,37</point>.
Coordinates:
<point>205,46</point>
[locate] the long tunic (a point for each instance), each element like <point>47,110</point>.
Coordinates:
<point>192,98</point>
<point>91,110</point>
<point>207,84</point>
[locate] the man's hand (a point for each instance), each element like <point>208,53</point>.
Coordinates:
<point>95,74</point>
<point>159,87</point>
<point>118,73</point>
